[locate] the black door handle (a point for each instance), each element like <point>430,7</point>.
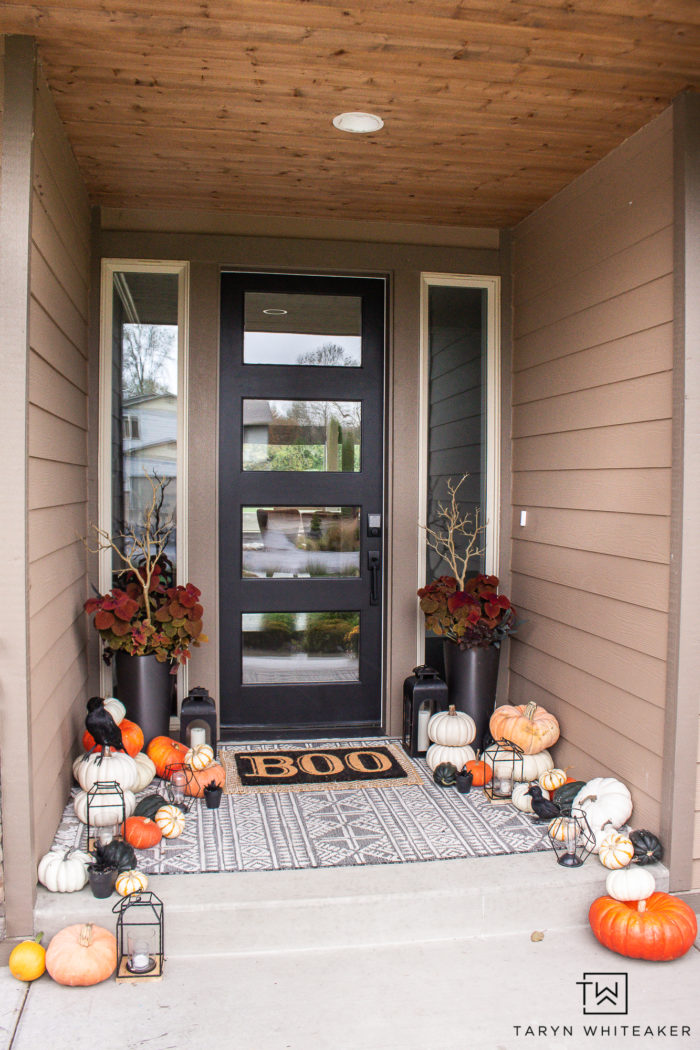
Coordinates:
<point>374,564</point>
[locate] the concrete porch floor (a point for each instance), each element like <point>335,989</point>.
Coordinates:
<point>408,956</point>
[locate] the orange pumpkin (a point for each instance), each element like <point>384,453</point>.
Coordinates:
<point>82,954</point>
<point>481,772</point>
<point>142,832</point>
<point>198,779</point>
<point>530,727</point>
<point>661,928</point>
<point>132,737</point>
<point>164,751</point>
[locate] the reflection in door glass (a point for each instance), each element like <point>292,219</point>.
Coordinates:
<point>291,329</point>
<point>301,435</point>
<point>286,648</point>
<point>300,542</point>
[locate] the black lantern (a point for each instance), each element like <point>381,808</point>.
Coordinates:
<point>503,759</point>
<point>424,693</point>
<point>178,778</point>
<point>198,719</point>
<point>571,838</point>
<point>106,811</point>
<point>140,943</point>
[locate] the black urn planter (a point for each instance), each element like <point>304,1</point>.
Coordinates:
<point>102,881</point>
<point>464,781</point>
<point>145,687</point>
<point>471,676</point>
<point>212,797</point>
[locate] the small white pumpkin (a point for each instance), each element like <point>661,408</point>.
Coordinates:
<point>170,820</point>
<point>458,756</point>
<point>615,851</point>
<point>452,727</point>
<point>64,871</point>
<point>131,882</point>
<point>114,765</point>
<point>521,799</point>
<point>525,769</point>
<point>552,779</point>
<point>604,800</point>
<point>633,883</point>
<point>106,809</point>
<point>146,770</point>
<point>116,709</point>
<point>200,756</point>
<point>557,828</point>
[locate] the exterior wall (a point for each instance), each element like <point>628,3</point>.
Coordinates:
<point>591,428</point>
<point>57,464</point>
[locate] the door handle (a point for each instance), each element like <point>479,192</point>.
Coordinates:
<point>374,564</point>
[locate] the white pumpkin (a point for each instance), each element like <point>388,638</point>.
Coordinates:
<point>552,779</point>
<point>633,883</point>
<point>64,871</point>
<point>557,828</point>
<point>615,850</point>
<point>452,727</point>
<point>170,820</point>
<point>104,810</point>
<point>131,882</point>
<point>146,770</point>
<point>521,799</point>
<point>114,765</point>
<point>525,769</point>
<point>458,756</point>
<point>200,756</point>
<point>605,801</point>
<point>116,709</point>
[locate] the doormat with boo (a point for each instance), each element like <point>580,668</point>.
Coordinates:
<point>313,769</point>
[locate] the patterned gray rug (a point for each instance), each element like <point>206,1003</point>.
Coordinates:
<point>320,829</point>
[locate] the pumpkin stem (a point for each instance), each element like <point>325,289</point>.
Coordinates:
<point>529,711</point>
<point>452,710</point>
<point>641,906</point>
<point>38,937</point>
<point>85,936</point>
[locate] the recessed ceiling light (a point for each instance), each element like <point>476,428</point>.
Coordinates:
<point>358,123</point>
<point>273,311</point>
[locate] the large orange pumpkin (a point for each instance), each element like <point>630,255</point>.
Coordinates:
<point>164,751</point>
<point>530,727</point>
<point>665,929</point>
<point>142,832</point>
<point>198,779</point>
<point>132,737</point>
<point>82,954</point>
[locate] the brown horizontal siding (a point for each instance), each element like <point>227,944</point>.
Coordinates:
<point>591,428</point>
<point>57,466</point>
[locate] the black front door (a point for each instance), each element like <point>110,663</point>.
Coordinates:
<point>301,504</point>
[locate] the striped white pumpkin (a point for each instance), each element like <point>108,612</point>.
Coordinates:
<point>199,757</point>
<point>615,851</point>
<point>556,828</point>
<point>130,882</point>
<point>170,820</point>
<point>552,779</point>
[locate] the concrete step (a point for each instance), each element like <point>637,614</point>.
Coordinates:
<point>238,913</point>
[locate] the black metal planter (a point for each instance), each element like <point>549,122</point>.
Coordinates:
<point>145,687</point>
<point>471,676</point>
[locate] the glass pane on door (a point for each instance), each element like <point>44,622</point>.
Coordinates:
<point>300,542</point>
<point>322,436</point>
<point>304,647</point>
<point>283,328</point>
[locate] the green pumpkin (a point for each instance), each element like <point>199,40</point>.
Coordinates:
<point>647,848</point>
<point>149,806</point>
<point>565,795</point>
<point>119,854</point>
<point>445,775</point>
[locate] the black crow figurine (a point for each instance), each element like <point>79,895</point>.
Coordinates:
<point>542,807</point>
<point>102,727</point>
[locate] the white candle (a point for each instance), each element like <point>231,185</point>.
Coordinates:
<point>197,736</point>
<point>423,719</point>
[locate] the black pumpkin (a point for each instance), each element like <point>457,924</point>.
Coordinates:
<point>119,854</point>
<point>445,775</point>
<point>647,848</point>
<point>565,795</point>
<point>149,806</point>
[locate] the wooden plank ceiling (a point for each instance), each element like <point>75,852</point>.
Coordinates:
<point>490,106</point>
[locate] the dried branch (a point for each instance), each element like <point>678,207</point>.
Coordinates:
<point>458,532</point>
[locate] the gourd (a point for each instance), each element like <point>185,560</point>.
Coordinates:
<point>114,765</point>
<point>132,737</point>
<point>28,959</point>
<point>647,847</point>
<point>164,751</point>
<point>552,779</point>
<point>604,800</point>
<point>456,756</point>
<point>82,955</point>
<point>198,779</point>
<point>119,854</point>
<point>199,757</point>
<point>142,832</point>
<point>521,798</point>
<point>527,768</point>
<point>481,772</point>
<point>452,728</point>
<point>145,769</point>
<point>116,709</point>
<point>64,871</point>
<point>109,811</point>
<point>615,851</point>
<point>565,795</point>
<point>630,884</point>
<point>660,928</point>
<point>532,728</point>
<point>170,820</point>
<point>445,774</point>
<point>149,805</point>
<point>131,882</point>
<point>556,829</point>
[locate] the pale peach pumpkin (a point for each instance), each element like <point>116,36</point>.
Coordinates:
<point>530,727</point>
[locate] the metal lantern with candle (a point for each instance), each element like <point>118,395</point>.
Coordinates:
<point>105,808</point>
<point>198,719</point>
<point>178,777</point>
<point>571,838</point>
<point>424,693</point>
<point>504,757</point>
<point>140,940</point>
